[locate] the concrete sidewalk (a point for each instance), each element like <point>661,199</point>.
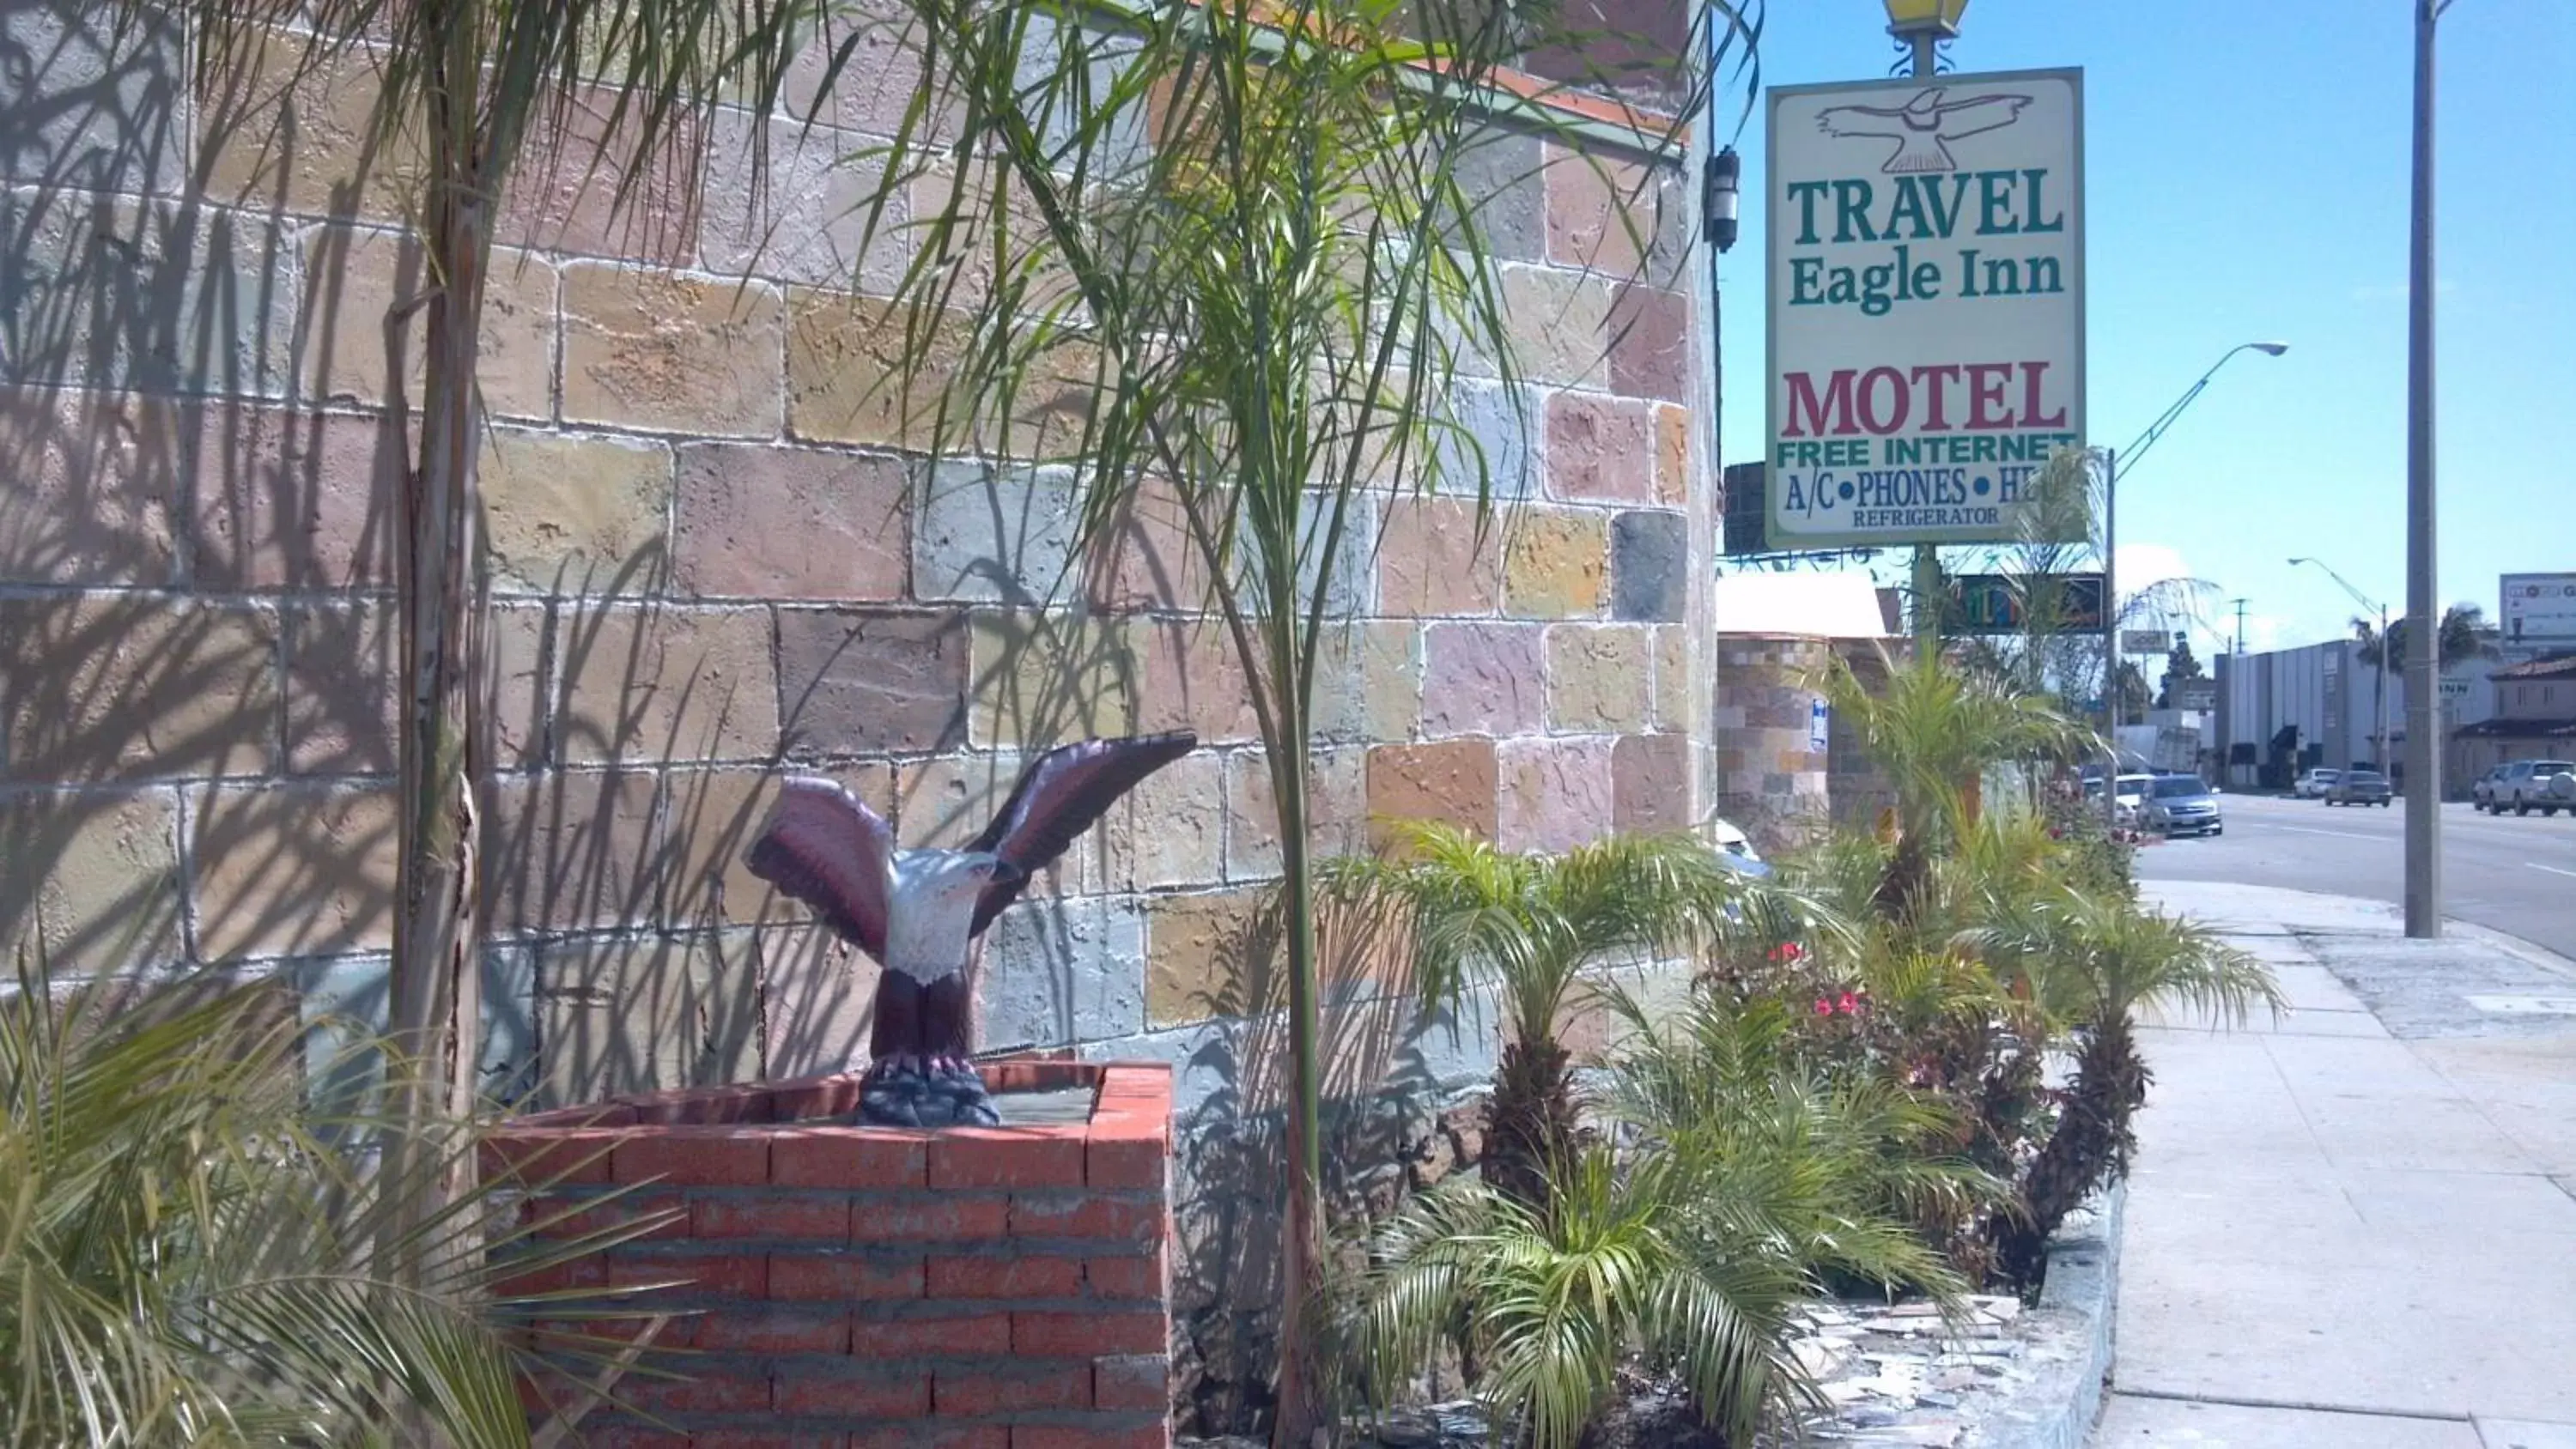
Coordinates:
<point>2356,1226</point>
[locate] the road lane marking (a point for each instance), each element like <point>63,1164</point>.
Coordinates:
<point>2553,870</point>
<point>2341,834</point>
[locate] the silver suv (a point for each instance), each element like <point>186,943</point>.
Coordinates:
<point>2547,786</point>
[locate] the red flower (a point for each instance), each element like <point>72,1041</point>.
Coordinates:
<point>1824,1007</point>
<point>1849,1004</point>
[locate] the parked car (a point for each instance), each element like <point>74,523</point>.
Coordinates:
<point>2359,787</point>
<point>2547,786</point>
<point>2482,790</point>
<point>2314,784</point>
<point>2183,805</point>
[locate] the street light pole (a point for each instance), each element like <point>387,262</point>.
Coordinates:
<point>2379,676</point>
<point>2424,627</point>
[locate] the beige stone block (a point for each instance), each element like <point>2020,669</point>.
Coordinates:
<point>1451,782</point>
<point>947,800</point>
<point>1194,679</point>
<point>341,664</point>
<point>710,817</point>
<point>1043,679</point>
<point>1556,564</point>
<point>1145,559</point>
<point>668,351</point>
<point>1600,213</point>
<point>525,640</point>
<point>1202,956</point>
<point>1368,682</point>
<point>1170,830</point>
<point>94,487</point>
<point>818,999</point>
<point>564,193</point>
<point>300,869</point>
<point>847,380</point>
<point>289,130</point>
<point>295,500</point>
<point>1553,794</point>
<point>1336,810</point>
<point>1673,692</point>
<point>1599,678</point>
<point>1436,556</point>
<point>647,1013</point>
<point>1560,325</point>
<point>354,278</point>
<point>762,522</point>
<point>572,849</point>
<point>682,684</point>
<point>567,514</point>
<point>98,688</point>
<point>93,883</point>
<point>1672,454</point>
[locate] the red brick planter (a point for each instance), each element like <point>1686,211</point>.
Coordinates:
<point>854,1287</point>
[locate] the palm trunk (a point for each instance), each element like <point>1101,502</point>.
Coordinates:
<point>2091,1146</point>
<point>1301,1410</point>
<point>1529,1125</point>
<point>435,986</point>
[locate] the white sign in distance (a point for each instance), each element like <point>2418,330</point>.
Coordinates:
<point>2145,641</point>
<point>1819,728</point>
<point>1926,303</point>
<point>2538,607</point>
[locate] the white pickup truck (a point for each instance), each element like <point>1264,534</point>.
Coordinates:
<point>2547,786</point>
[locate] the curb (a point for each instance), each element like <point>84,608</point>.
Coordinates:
<point>2058,1407</point>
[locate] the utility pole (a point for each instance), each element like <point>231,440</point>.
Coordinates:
<point>2424,627</point>
<point>2239,646</point>
<point>1928,598</point>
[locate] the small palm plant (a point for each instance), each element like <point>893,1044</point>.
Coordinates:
<point>1532,924</point>
<point>1755,1185</point>
<point>1933,731</point>
<point>2095,962</point>
<point>192,1253</point>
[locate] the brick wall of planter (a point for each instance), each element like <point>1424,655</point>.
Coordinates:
<point>843,1286</point>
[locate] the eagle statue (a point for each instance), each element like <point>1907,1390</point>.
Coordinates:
<point>921,913</point>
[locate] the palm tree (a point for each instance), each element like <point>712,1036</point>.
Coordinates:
<point>476,85</point>
<point>1223,254</point>
<point>1933,731</point>
<point>2464,635</point>
<point>1531,925</point>
<point>192,1251</point>
<point>2095,962</point>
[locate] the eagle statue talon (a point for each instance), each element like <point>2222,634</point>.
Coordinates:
<point>922,913</point>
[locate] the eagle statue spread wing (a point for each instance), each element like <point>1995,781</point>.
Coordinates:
<point>1922,125</point>
<point>919,913</point>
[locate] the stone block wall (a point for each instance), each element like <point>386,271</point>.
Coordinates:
<point>717,551</point>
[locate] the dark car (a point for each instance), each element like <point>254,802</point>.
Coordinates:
<point>2183,805</point>
<point>2359,787</point>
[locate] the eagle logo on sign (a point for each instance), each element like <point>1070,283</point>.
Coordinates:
<point>1922,127</point>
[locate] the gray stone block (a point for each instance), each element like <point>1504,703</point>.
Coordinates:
<point>92,100</point>
<point>345,1000</point>
<point>993,534</point>
<point>1498,171</point>
<point>1649,566</point>
<point>1496,426</point>
<point>154,296</point>
<point>1064,971</point>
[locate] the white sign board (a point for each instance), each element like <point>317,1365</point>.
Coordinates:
<point>1926,307</point>
<point>1819,728</point>
<point>2538,607</point>
<point>2145,641</point>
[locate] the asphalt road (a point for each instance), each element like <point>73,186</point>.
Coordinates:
<point>2515,874</point>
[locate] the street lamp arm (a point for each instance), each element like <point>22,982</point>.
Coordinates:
<point>2358,596</point>
<point>2128,458</point>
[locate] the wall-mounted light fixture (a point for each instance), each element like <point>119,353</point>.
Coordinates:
<point>1725,181</point>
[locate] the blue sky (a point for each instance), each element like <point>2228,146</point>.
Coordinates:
<point>2248,181</point>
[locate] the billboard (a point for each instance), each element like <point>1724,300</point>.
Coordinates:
<point>2146,641</point>
<point>1991,603</point>
<point>1926,304</point>
<point>2538,609</point>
